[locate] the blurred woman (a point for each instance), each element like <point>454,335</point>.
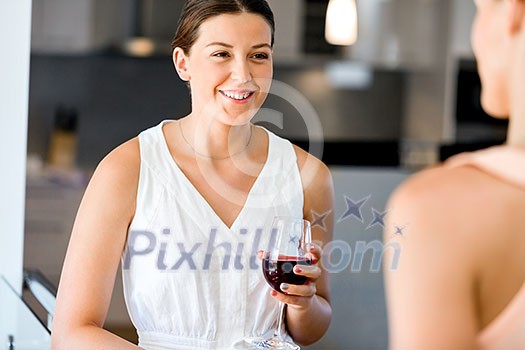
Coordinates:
<point>460,281</point>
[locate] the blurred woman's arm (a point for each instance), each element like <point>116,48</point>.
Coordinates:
<point>430,294</point>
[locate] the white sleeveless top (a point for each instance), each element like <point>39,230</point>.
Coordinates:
<point>191,282</point>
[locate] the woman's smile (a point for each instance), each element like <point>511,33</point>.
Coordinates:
<point>238,96</point>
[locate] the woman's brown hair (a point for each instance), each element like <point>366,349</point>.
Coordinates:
<point>195,12</point>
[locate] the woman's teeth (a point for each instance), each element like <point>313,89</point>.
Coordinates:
<point>237,95</point>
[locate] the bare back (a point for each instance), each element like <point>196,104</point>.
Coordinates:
<point>461,260</point>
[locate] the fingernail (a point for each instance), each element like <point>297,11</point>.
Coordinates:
<point>273,293</point>
<point>284,286</point>
<point>298,269</point>
<point>311,247</point>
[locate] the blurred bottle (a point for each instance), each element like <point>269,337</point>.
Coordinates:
<point>63,145</point>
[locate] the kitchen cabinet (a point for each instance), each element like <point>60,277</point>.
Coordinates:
<point>461,16</point>
<point>52,200</point>
<point>394,34</point>
<point>77,27</point>
<point>397,34</point>
<point>288,16</point>
<point>84,26</point>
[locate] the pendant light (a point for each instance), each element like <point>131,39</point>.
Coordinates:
<point>341,22</point>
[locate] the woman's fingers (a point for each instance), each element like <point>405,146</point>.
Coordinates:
<point>313,272</point>
<point>314,252</point>
<point>304,290</point>
<point>299,296</point>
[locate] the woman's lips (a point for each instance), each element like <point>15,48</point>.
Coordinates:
<point>238,96</point>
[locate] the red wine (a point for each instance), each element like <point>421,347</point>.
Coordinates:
<point>281,271</point>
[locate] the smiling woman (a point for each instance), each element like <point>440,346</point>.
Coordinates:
<point>185,207</point>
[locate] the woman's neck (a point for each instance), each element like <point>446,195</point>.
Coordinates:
<point>213,139</point>
<point>516,88</point>
<point>516,130</point>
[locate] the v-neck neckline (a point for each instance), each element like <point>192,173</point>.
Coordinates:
<point>199,195</point>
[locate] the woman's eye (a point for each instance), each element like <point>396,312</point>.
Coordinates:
<point>260,56</point>
<point>221,54</point>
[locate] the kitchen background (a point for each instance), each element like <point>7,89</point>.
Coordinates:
<point>388,105</point>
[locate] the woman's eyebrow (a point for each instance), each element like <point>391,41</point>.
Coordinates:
<point>219,43</point>
<point>261,45</point>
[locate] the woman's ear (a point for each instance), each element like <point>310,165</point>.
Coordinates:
<point>180,60</point>
<point>517,15</point>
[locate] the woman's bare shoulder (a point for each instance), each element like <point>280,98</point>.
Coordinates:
<point>439,184</point>
<point>117,174</point>
<point>314,172</point>
<point>125,155</point>
<point>318,189</point>
<point>459,201</point>
<point>123,162</point>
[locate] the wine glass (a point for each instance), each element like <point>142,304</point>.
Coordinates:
<point>288,247</point>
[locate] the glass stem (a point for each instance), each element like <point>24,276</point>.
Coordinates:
<point>279,331</point>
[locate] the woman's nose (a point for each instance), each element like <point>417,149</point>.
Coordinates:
<point>241,71</point>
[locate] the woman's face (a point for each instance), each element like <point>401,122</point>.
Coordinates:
<point>491,48</point>
<point>230,67</point>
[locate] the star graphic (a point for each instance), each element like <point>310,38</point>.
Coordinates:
<point>353,208</point>
<point>399,230</point>
<point>318,219</point>
<point>379,218</point>
<point>294,240</point>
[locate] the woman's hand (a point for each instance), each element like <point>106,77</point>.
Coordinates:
<point>300,296</point>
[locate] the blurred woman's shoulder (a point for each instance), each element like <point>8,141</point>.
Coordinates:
<point>465,200</point>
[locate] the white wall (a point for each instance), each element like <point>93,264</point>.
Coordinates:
<point>15,29</point>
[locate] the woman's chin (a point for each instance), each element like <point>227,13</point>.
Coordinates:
<point>496,113</point>
<point>495,109</point>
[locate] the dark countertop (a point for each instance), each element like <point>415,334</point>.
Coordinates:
<point>357,153</point>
